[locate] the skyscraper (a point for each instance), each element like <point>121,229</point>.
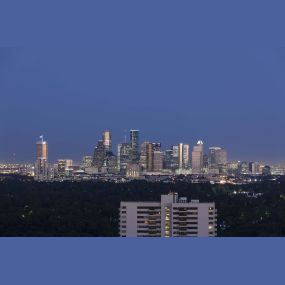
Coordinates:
<point>99,155</point>
<point>107,140</point>
<point>149,157</point>
<point>143,156</point>
<point>197,158</point>
<point>87,161</point>
<point>62,166</point>
<point>183,157</point>
<point>168,159</point>
<point>124,157</point>
<point>134,141</point>
<point>217,156</point>
<point>151,149</point>
<point>41,167</point>
<point>157,161</point>
<point>175,157</point>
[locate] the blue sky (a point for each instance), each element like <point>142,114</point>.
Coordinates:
<point>178,71</point>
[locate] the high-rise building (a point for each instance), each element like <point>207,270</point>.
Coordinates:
<point>107,140</point>
<point>134,141</point>
<point>244,167</point>
<point>62,166</point>
<point>109,163</point>
<point>41,166</point>
<point>254,168</point>
<point>99,155</point>
<point>205,162</point>
<point>133,170</point>
<point>87,161</point>
<point>168,159</point>
<point>233,167</point>
<point>183,156</point>
<point>266,170</point>
<point>217,156</point>
<point>152,148</point>
<point>171,217</point>
<point>143,156</point>
<point>157,161</point>
<point>197,158</point>
<point>175,157</point>
<point>124,157</point>
<point>149,157</point>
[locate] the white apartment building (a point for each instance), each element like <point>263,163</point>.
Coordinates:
<point>171,217</point>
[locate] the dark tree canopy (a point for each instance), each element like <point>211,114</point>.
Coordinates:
<point>28,208</point>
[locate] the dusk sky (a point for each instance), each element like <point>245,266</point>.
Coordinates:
<point>69,71</point>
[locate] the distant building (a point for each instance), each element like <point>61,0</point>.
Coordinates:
<point>171,217</point>
<point>133,170</point>
<point>175,157</point>
<point>254,168</point>
<point>218,159</point>
<point>233,167</point>
<point>110,163</point>
<point>157,161</point>
<point>197,158</point>
<point>99,155</point>
<point>143,156</point>
<point>266,170</point>
<point>168,159</point>
<point>205,163</point>
<point>154,157</point>
<point>41,165</point>
<point>183,156</point>
<point>244,167</point>
<point>217,156</point>
<point>62,166</point>
<point>134,141</point>
<point>124,157</point>
<point>107,140</point>
<point>87,161</point>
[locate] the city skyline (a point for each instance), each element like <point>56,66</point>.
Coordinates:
<point>77,157</point>
<point>231,97</point>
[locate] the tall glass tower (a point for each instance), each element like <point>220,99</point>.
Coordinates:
<point>134,141</point>
<point>41,166</point>
<point>197,158</point>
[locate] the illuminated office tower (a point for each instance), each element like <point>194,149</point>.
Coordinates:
<point>124,157</point>
<point>134,141</point>
<point>62,167</point>
<point>107,140</point>
<point>143,156</point>
<point>197,158</point>
<point>87,161</point>
<point>170,217</point>
<point>175,157</point>
<point>151,149</point>
<point>41,167</point>
<point>183,156</point>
